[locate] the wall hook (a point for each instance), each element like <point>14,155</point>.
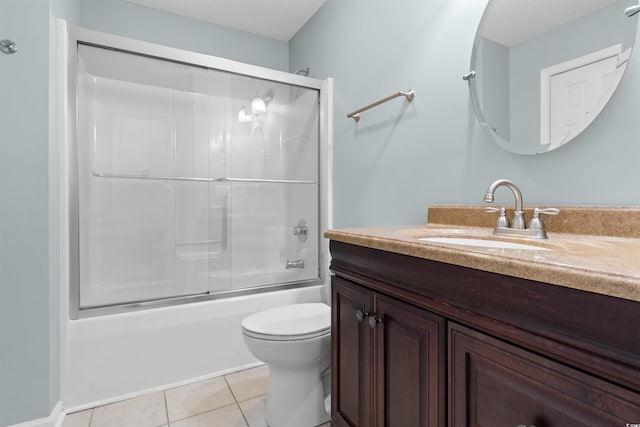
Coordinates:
<point>8,46</point>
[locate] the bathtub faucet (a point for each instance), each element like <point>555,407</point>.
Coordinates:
<point>299,263</point>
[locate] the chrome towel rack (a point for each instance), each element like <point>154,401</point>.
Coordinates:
<point>409,94</point>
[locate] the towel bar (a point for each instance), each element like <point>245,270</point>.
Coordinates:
<point>410,94</point>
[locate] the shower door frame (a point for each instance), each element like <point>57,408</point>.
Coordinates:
<point>77,36</point>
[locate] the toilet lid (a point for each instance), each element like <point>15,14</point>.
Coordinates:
<point>289,322</point>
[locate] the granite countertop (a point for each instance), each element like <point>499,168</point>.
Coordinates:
<point>605,264</point>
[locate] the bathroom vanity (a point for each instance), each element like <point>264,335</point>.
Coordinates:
<point>432,334</point>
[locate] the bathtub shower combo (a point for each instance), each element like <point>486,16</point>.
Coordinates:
<point>197,195</point>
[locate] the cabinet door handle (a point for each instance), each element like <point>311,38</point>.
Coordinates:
<point>374,320</point>
<point>360,315</point>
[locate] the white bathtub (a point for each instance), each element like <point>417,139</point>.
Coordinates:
<point>110,358</point>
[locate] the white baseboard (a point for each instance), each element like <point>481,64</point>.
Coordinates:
<point>55,419</point>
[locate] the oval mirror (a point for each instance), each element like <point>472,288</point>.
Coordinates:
<point>542,70</point>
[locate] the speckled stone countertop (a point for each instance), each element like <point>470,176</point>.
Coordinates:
<point>591,249</point>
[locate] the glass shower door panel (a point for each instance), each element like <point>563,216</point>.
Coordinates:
<point>274,150</point>
<point>133,250</point>
<point>302,205</point>
<point>299,159</point>
<point>258,234</point>
<point>266,250</point>
<point>141,141</point>
<point>299,141</point>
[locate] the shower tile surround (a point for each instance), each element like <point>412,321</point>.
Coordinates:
<point>236,399</point>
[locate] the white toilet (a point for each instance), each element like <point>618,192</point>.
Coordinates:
<point>295,342</point>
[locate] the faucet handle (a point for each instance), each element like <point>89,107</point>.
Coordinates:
<point>546,211</point>
<point>502,220</point>
<point>536,221</point>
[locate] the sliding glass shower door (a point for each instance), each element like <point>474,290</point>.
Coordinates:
<point>191,181</point>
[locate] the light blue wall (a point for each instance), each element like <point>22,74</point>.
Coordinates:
<point>400,158</point>
<point>28,250</point>
<point>29,326</point>
<point>139,22</point>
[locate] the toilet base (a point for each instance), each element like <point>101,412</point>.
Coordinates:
<point>296,398</point>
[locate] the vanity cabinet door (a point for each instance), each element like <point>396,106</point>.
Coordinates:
<point>494,384</point>
<point>388,361</point>
<point>351,343</point>
<point>410,365</point>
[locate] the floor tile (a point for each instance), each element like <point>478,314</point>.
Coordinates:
<point>255,411</point>
<point>249,383</point>
<point>196,398</point>
<point>78,419</point>
<point>229,416</point>
<point>144,411</point>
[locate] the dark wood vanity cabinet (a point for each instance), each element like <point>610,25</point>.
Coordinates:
<point>388,360</point>
<point>421,343</point>
<point>497,384</point>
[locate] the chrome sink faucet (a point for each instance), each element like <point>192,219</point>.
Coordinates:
<point>517,228</point>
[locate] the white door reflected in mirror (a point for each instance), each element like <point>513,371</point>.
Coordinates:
<point>573,93</point>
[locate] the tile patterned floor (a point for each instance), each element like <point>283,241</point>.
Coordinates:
<point>234,400</point>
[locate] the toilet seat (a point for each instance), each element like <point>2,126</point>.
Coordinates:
<point>289,323</point>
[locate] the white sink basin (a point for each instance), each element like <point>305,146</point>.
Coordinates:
<point>462,241</point>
